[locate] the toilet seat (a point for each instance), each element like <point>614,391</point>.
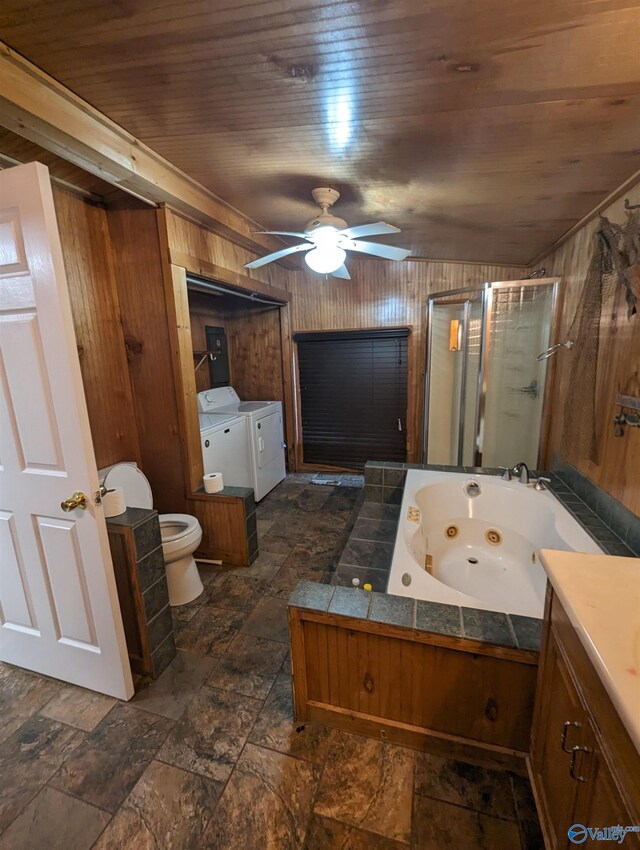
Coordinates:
<point>137,490</point>
<point>178,531</point>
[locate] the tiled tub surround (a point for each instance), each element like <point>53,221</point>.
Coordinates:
<point>369,551</point>
<point>454,681</point>
<point>614,528</point>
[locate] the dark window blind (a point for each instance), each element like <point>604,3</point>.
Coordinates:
<point>353,396</point>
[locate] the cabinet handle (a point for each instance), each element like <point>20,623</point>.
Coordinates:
<point>572,764</point>
<point>565,729</point>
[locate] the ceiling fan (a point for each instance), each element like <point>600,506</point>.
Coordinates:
<point>328,239</point>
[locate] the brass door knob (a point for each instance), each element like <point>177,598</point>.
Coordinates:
<point>78,500</point>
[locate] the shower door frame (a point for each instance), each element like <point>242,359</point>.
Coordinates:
<point>485,291</point>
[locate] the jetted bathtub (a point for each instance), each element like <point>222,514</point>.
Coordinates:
<point>479,551</point>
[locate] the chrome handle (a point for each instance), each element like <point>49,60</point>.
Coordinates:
<point>565,729</point>
<point>78,500</point>
<point>399,424</point>
<point>540,482</point>
<point>568,343</point>
<point>572,763</point>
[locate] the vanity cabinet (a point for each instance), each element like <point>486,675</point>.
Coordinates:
<point>585,768</point>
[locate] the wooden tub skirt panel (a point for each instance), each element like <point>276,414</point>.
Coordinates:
<point>451,696</point>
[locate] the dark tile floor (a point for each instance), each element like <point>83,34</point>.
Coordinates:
<point>209,756</point>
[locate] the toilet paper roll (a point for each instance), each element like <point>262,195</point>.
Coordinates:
<point>213,482</point>
<point>113,502</point>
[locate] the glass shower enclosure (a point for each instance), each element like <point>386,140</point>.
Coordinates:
<point>486,395</point>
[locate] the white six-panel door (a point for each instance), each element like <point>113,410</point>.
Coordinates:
<point>59,612</point>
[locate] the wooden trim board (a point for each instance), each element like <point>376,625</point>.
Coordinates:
<point>220,274</point>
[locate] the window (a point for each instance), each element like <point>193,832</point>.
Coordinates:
<point>353,396</point>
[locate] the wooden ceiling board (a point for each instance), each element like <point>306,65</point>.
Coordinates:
<point>15,149</point>
<point>484,131</point>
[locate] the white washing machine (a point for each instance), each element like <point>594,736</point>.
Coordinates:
<point>265,433</point>
<point>225,448</point>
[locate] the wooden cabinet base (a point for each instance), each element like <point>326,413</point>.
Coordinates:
<point>229,527</point>
<point>448,696</point>
<point>584,766</point>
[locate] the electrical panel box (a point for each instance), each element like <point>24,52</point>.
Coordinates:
<point>219,366</point>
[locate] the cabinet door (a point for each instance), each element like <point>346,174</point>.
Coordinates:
<point>599,803</point>
<point>559,726</point>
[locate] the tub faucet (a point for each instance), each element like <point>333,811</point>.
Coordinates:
<point>521,472</point>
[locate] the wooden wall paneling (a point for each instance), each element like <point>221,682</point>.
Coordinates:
<point>141,289</point>
<point>201,248</point>
<point>288,387</point>
<point>178,318</point>
<point>387,294</point>
<point>255,349</point>
<point>618,469</point>
<point>95,306</point>
<point>407,684</point>
<point>204,309</point>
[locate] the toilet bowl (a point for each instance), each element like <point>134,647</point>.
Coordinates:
<point>181,533</point>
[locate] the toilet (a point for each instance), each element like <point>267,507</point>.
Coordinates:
<point>181,533</point>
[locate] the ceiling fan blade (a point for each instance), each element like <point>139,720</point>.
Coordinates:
<point>270,258</point>
<point>378,228</point>
<point>388,252</point>
<point>342,273</point>
<point>282,233</point>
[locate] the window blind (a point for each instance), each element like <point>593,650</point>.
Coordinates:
<point>353,395</point>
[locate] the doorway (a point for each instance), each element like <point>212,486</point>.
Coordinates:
<point>485,389</point>
<point>353,396</point>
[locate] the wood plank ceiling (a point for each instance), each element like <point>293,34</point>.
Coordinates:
<point>483,130</point>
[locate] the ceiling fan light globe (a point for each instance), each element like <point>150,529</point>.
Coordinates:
<point>325,259</point>
<point>323,236</point>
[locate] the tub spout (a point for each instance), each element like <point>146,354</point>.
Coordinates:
<point>521,472</point>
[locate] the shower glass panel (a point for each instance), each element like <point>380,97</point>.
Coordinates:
<point>485,389</point>
<point>452,392</point>
<point>520,328</point>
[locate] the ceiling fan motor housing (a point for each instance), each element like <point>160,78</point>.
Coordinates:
<point>325,198</point>
<point>325,220</point>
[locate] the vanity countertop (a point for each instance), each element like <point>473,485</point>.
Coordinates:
<point>601,595</point>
